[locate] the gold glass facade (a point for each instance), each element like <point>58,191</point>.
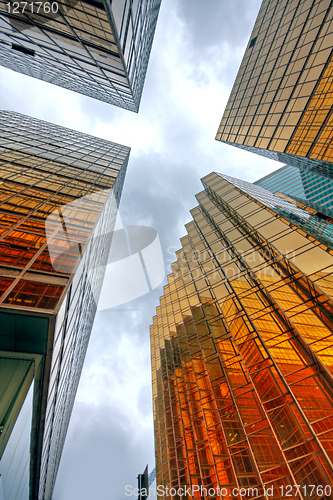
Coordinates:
<point>91,47</point>
<point>242,359</point>
<point>59,195</point>
<point>281,101</point>
<point>44,169</point>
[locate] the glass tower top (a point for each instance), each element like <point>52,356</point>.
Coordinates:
<point>301,184</point>
<point>59,196</point>
<point>242,361</point>
<point>281,102</point>
<point>95,47</point>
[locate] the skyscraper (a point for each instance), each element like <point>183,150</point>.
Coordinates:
<point>59,195</point>
<point>97,48</point>
<point>281,102</point>
<point>241,343</point>
<point>309,188</point>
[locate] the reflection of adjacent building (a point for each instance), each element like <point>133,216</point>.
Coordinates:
<point>91,47</point>
<point>281,102</point>
<point>301,184</point>
<point>59,194</point>
<point>242,358</point>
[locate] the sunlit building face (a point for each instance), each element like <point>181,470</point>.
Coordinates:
<point>281,102</point>
<point>97,48</point>
<point>59,196</point>
<point>242,357</point>
<point>302,185</point>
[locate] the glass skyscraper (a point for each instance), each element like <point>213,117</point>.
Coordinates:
<point>59,194</point>
<point>281,102</point>
<point>97,48</point>
<point>242,359</point>
<point>302,185</point>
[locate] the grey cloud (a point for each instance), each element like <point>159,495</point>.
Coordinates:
<point>217,32</point>
<point>145,400</point>
<point>212,22</point>
<point>106,448</point>
<point>101,455</point>
<point>130,320</point>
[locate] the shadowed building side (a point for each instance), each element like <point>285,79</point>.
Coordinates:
<point>281,103</point>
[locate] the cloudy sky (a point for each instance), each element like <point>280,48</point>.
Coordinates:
<point>196,53</point>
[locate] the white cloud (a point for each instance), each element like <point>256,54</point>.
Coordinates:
<point>110,374</point>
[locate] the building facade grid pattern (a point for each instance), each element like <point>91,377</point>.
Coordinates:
<point>282,97</point>
<point>301,184</point>
<point>59,199</point>
<point>71,338</point>
<point>240,343</point>
<point>43,168</point>
<point>78,47</point>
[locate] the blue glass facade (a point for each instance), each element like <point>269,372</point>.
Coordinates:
<point>301,184</point>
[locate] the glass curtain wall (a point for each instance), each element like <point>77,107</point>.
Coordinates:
<point>97,48</point>
<point>242,358</point>
<point>281,102</point>
<point>59,198</point>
